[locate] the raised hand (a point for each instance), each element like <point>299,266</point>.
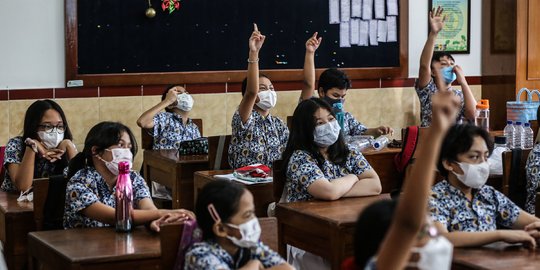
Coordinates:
<point>436,21</point>
<point>256,40</point>
<point>312,44</point>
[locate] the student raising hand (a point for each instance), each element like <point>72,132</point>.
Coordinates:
<point>436,21</point>
<point>312,44</point>
<point>256,40</point>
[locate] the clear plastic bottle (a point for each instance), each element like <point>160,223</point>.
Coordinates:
<point>124,199</point>
<point>528,136</point>
<point>509,134</point>
<point>518,135</point>
<point>482,114</point>
<point>380,143</point>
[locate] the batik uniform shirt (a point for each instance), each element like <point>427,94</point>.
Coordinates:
<point>533,177</point>
<point>487,209</point>
<point>87,187</point>
<point>351,126</point>
<point>425,95</point>
<point>14,155</point>
<point>259,140</point>
<point>169,131</point>
<point>303,170</point>
<point>210,255</point>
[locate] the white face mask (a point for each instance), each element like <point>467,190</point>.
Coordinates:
<point>474,175</point>
<point>52,139</point>
<point>118,154</point>
<point>436,254</point>
<point>250,231</point>
<point>267,100</point>
<point>185,102</point>
<point>326,134</point>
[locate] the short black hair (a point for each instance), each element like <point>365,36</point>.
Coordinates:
<point>371,228</point>
<point>225,196</point>
<point>244,82</point>
<point>334,78</point>
<point>438,55</point>
<point>458,140</point>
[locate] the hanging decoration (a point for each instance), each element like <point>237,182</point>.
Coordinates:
<point>170,5</point>
<point>150,11</point>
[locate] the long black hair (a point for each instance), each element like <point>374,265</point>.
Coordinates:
<point>34,114</point>
<point>225,196</point>
<point>102,136</point>
<point>301,134</point>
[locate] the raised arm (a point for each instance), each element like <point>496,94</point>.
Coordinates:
<point>436,23</point>
<point>309,67</point>
<point>250,97</point>
<point>410,213</point>
<point>468,98</point>
<point>147,118</point>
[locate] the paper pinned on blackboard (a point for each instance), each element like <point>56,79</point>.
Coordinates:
<point>364,33</point>
<point>334,11</point>
<point>391,24</point>
<point>367,10</point>
<point>356,8</point>
<point>381,31</point>
<point>373,33</point>
<point>380,9</point>
<point>355,31</point>
<point>344,35</point>
<point>345,8</point>
<point>392,8</point>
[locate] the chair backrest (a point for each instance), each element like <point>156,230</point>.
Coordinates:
<point>2,169</point>
<point>279,179</point>
<point>147,140</point>
<point>218,152</point>
<point>49,202</point>
<point>515,179</point>
<point>170,236</point>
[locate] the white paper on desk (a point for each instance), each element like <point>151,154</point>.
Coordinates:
<point>355,31</point>
<point>356,8</point>
<point>391,25</point>
<point>268,180</point>
<point>344,35</point>
<point>334,11</point>
<point>345,9</point>
<point>392,7</point>
<point>229,176</point>
<point>381,31</point>
<point>373,33</point>
<point>364,33</point>
<point>379,9</point>
<point>367,9</point>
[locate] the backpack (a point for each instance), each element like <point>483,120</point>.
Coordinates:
<point>190,234</point>
<point>405,157</point>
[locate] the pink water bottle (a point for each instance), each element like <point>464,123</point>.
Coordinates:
<point>124,198</point>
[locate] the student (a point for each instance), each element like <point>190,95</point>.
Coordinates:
<point>44,148</point>
<point>231,231</point>
<point>467,211</point>
<point>533,178</point>
<point>333,86</point>
<point>425,86</point>
<point>321,166</point>
<point>387,231</point>
<point>90,199</point>
<point>173,126</point>
<point>257,136</point>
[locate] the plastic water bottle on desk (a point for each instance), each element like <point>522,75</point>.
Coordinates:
<point>528,136</point>
<point>518,135</point>
<point>124,199</point>
<point>509,134</point>
<point>380,143</point>
<point>482,114</point>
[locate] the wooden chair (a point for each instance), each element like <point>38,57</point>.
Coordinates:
<point>534,127</point>
<point>218,152</point>
<point>512,185</point>
<point>170,235</point>
<point>280,178</point>
<point>49,202</point>
<point>147,140</point>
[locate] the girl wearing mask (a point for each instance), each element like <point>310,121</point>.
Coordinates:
<point>231,231</point>
<point>333,86</point>
<point>44,148</point>
<point>425,85</point>
<point>257,136</point>
<point>467,211</point>
<point>90,199</point>
<point>321,166</point>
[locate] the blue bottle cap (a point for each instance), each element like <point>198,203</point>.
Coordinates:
<point>526,124</point>
<point>509,122</point>
<point>518,123</point>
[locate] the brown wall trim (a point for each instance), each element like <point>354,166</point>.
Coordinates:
<point>197,88</point>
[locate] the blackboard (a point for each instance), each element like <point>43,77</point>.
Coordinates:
<point>209,37</point>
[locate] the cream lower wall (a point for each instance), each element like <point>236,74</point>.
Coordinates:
<point>395,107</point>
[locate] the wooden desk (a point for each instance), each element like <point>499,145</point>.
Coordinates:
<point>176,172</point>
<point>16,220</point>
<point>324,228</point>
<point>94,248</point>
<point>495,256</point>
<point>383,163</point>
<point>262,193</point>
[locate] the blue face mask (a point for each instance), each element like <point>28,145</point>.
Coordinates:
<point>448,74</point>
<point>335,103</point>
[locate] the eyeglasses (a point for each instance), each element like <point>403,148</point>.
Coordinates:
<point>60,128</point>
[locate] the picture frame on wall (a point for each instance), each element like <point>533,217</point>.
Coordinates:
<point>456,33</point>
